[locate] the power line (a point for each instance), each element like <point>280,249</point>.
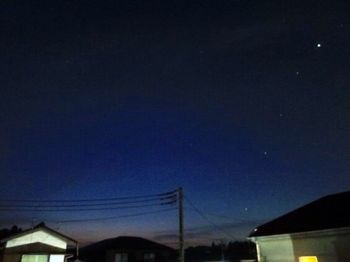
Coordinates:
<point>129,202</point>
<point>50,209</point>
<point>114,217</point>
<point>218,228</point>
<point>119,203</point>
<point>91,199</point>
<point>223,217</point>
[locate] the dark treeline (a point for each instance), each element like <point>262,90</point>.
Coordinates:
<point>5,232</point>
<point>233,251</point>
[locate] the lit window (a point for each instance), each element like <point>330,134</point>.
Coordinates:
<point>149,257</point>
<point>35,258</point>
<point>121,257</point>
<point>308,259</point>
<point>56,258</point>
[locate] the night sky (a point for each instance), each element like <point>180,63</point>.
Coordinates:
<point>244,103</point>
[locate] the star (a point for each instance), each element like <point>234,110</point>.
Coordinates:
<point>319,45</point>
<point>265,153</point>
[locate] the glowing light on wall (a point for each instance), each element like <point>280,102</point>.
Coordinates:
<point>308,259</point>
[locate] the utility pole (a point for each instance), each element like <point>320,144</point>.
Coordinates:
<point>181,225</point>
<point>222,250</point>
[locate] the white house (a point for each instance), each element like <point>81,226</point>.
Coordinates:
<point>316,232</point>
<point>40,244</point>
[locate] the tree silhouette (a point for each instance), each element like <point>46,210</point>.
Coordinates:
<point>5,232</point>
<point>233,251</point>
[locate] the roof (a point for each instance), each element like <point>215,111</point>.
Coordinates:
<point>125,242</point>
<point>329,212</point>
<point>39,227</point>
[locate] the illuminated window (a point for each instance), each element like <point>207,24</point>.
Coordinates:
<point>35,258</point>
<point>308,259</point>
<point>56,258</point>
<point>149,257</point>
<point>121,257</point>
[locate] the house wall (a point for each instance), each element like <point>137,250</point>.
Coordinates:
<point>11,258</point>
<point>275,250</point>
<point>14,254</point>
<point>138,255</point>
<point>328,246</point>
<point>18,257</point>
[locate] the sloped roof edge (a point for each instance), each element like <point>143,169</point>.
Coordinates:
<point>39,227</point>
<point>324,213</point>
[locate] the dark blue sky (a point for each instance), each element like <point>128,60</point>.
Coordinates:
<point>233,100</point>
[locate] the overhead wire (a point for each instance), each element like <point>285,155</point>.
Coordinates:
<point>145,205</point>
<point>113,217</point>
<point>222,217</point>
<point>173,192</point>
<point>100,204</point>
<point>34,205</point>
<point>214,225</point>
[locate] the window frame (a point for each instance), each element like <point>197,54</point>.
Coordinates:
<point>124,256</point>
<point>47,256</point>
<point>151,258</point>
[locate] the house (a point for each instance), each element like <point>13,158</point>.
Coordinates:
<point>39,244</point>
<point>316,232</point>
<point>127,249</point>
